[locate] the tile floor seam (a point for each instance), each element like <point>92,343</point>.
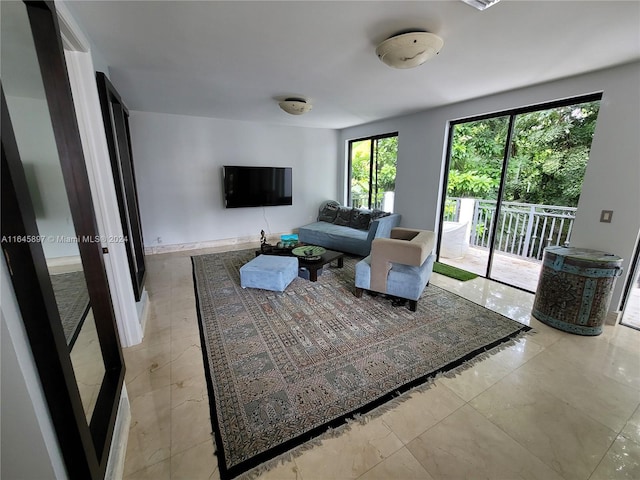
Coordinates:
<point>577,365</point>
<point>550,465</point>
<point>628,439</point>
<point>581,410</point>
<point>602,459</point>
<point>130,475</point>
<point>442,419</point>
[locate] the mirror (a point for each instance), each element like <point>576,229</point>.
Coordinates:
<point>116,120</point>
<point>31,120</point>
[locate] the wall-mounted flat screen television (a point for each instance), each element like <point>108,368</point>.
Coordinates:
<point>257,186</point>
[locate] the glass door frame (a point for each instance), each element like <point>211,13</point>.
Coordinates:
<point>512,113</point>
<point>350,143</point>
<point>632,276</point>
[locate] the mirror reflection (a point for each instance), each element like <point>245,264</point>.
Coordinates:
<point>87,364</point>
<point>28,109</point>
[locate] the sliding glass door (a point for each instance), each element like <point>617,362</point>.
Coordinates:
<point>631,299</point>
<point>475,169</point>
<point>512,188</point>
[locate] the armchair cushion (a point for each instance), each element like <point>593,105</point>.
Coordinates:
<point>405,246</point>
<point>405,281</point>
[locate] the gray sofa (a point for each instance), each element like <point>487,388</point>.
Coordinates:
<point>346,229</point>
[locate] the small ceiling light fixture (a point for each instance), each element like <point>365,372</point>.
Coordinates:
<point>295,106</point>
<point>408,50</point>
<point>481,4</point>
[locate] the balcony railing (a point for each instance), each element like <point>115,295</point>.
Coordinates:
<point>383,201</point>
<point>523,229</point>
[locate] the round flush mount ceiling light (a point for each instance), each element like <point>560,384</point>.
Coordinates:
<point>295,106</point>
<point>409,50</point>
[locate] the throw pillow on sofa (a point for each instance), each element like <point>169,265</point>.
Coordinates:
<point>329,212</point>
<point>376,214</point>
<point>360,219</point>
<point>344,216</point>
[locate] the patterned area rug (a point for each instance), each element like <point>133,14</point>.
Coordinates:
<point>282,368</point>
<point>72,297</point>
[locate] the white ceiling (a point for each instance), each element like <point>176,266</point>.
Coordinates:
<point>233,59</point>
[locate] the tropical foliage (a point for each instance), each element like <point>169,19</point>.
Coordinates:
<point>547,161</point>
<point>379,177</point>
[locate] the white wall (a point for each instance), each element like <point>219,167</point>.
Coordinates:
<point>29,444</point>
<point>612,179</point>
<point>178,164</point>
<point>38,152</point>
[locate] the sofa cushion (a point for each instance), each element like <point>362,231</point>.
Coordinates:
<point>406,281</point>
<point>360,219</point>
<point>328,212</point>
<point>343,217</point>
<point>335,237</point>
<point>376,214</point>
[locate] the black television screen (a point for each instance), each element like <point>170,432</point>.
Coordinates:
<point>257,186</point>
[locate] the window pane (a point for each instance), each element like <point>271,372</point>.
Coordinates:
<point>373,172</point>
<point>360,173</point>
<point>548,157</point>
<point>386,158</point>
<point>475,167</point>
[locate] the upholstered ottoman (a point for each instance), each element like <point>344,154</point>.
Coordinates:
<point>269,272</point>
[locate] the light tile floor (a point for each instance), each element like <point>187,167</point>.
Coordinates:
<point>552,406</point>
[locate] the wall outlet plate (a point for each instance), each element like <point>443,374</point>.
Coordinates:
<point>605,216</point>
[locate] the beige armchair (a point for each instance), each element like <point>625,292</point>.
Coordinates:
<point>400,266</point>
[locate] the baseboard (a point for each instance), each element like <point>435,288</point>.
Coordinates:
<point>72,260</point>
<point>253,240</point>
<point>611,318</point>
<point>143,315</point>
<point>118,450</point>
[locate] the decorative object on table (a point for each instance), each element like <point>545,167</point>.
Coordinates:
<point>283,247</point>
<point>309,252</point>
<point>575,287</point>
<point>262,356</point>
<point>289,241</point>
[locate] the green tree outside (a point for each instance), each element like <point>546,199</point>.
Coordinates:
<point>548,157</point>
<point>380,179</point>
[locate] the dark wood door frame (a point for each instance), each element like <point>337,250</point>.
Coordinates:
<point>116,123</point>
<point>84,445</point>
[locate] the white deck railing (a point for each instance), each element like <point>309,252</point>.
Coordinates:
<point>523,229</point>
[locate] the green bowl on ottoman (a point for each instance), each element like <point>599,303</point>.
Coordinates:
<point>269,272</point>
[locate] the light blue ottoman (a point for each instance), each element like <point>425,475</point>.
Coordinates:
<point>269,272</point>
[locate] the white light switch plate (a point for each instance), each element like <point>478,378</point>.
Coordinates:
<point>605,216</point>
